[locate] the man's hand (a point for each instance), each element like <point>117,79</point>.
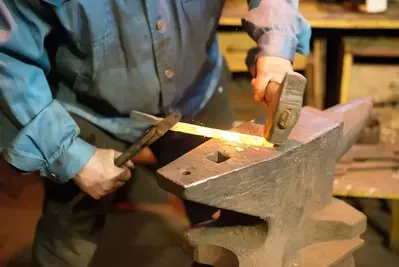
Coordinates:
<point>268,68</point>
<point>100,176</point>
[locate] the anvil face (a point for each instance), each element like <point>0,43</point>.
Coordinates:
<point>251,180</point>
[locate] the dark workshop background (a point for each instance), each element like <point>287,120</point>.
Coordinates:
<point>353,54</point>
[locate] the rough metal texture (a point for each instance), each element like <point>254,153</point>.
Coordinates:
<point>289,188</point>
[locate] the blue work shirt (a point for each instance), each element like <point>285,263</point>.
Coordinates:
<point>116,56</point>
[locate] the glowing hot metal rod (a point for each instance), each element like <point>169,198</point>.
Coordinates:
<point>228,136</point>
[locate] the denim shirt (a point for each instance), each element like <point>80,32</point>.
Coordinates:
<point>115,56</point>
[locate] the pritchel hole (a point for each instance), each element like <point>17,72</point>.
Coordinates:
<point>218,157</point>
<point>186,173</point>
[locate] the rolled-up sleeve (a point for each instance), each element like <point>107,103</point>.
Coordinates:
<point>278,28</point>
<point>48,136</point>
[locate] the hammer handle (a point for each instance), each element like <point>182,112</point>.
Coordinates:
<point>272,100</point>
<point>272,96</point>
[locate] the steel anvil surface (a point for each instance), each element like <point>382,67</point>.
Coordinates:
<point>289,188</point>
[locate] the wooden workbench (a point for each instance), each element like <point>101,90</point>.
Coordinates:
<point>323,15</point>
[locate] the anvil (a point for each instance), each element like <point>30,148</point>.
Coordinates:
<point>287,188</point>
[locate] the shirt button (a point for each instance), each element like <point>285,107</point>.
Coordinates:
<point>160,25</point>
<point>53,177</point>
<point>169,74</point>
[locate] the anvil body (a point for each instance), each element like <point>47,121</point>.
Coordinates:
<point>288,188</point>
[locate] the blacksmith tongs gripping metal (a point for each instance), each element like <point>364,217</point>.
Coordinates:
<point>158,130</point>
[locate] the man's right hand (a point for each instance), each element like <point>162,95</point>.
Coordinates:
<point>100,176</point>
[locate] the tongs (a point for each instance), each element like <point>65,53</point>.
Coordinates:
<point>161,127</point>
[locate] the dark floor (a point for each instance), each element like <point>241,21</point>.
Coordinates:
<point>17,231</point>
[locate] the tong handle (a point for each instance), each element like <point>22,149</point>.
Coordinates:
<point>127,155</point>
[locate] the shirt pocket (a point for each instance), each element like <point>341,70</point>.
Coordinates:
<point>88,32</point>
<point>88,23</point>
<point>202,16</point>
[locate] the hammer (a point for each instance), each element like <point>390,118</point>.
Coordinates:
<point>283,104</point>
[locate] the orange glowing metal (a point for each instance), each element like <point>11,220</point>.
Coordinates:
<point>251,140</point>
<point>231,137</point>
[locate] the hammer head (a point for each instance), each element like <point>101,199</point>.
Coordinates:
<point>284,102</point>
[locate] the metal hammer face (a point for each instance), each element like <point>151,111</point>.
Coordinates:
<point>288,187</point>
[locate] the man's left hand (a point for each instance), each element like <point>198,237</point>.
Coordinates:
<point>268,68</point>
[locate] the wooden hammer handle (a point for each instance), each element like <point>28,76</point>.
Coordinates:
<point>272,96</point>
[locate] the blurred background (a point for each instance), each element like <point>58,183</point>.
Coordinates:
<point>354,53</point>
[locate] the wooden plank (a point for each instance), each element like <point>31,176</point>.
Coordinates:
<point>309,74</point>
<point>235,46</point>
<point>372,46</point>
<point>323,15</point>
<point>368,171</point>
<point>379,80</point>
<point>395,224</point>
<point>346,75</point>
<point>382,184</point>
<point>319,72</point>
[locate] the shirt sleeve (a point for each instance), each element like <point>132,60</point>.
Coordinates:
<point>278,28</point>
<point>48,136</point>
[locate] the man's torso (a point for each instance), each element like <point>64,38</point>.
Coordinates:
<point>151,56</point>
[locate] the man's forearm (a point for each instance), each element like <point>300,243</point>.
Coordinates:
<point>48,140</point>
<point>277,27</point>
